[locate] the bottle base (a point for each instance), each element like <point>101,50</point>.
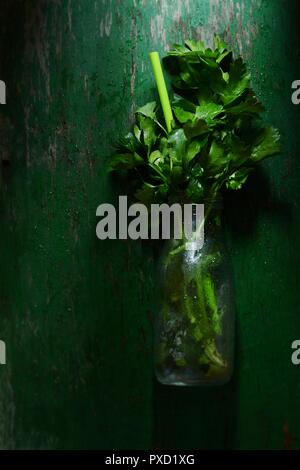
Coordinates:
<point>181,379</point>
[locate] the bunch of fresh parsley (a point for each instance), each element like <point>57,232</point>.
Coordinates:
<point>216,138</point>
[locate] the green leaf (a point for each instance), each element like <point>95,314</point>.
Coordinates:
<point>237,179</point>
<point>217,158</point>
<point>184,110</point>
<point>238,151</point>
<point>195,187</point>
<point>197,171</point>
<point>158,172</point>
<point>250,105</point>
<point>208,111</point>
<point>137,132</point>
<point>195,70</point>
<point>195,128</point>
<point>195,45</point>
<point>195,190</point>
<point>148,110</point>
<point>177,142</point>
<point>148,126</point>
<point>182,115</point>
<point>193,149</point>
<point>183,103</point>
<point>219,44</point>
<point>238,82</point>
<point>225,76</point>
<point>156,157</point>
<point>178,49</point>
<point>164,146</point>
<point>128,142</point>
<point>221,58</point>
<point>208,61</point>
<point>266,144</point>
<point>222,49</point>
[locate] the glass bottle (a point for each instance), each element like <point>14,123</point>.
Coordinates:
<point>194,330</point>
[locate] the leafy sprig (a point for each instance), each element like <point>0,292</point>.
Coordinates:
<point>216,138</point>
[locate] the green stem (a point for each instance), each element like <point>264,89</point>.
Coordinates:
<point>162,89</point>
<point>211,302</point>
<point>207,212</point>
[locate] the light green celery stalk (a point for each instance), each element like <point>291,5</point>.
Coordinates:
<point>162,89</point>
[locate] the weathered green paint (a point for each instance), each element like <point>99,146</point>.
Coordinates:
<point>76,313</point>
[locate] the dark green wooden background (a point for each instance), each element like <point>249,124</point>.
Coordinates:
<point>77,313</point>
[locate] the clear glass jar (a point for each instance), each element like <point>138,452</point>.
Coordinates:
<point>194,331</point>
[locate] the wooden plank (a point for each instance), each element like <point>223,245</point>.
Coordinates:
<point>76,313</point>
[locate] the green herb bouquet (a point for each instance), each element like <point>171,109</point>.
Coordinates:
<point>209,140</point>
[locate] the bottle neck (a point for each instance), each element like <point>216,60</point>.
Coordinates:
<point>197,223</point>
